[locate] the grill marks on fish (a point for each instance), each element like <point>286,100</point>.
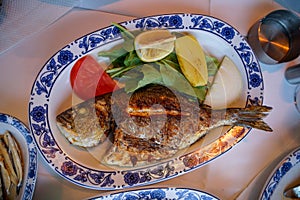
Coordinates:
<point>140,103</point>
<point>154,123</point>
<point>164,126</point>
<point>128,150</point>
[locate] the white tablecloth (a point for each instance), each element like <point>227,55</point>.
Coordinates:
<point>239,173</point>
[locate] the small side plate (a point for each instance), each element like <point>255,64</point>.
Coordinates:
<point>159,194</point>
<point>285,175</point>
<point>29,152</point>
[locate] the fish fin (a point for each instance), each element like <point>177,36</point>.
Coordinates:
<point>253,116</point>
<point>259,124</point>
<point>257,108</point>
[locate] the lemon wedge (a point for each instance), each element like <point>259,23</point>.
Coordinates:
<point>191,59</point>
<point>227,86</point>
<point>154,45</point>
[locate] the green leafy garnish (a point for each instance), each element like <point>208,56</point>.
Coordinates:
<point>212,65</point>
<point>142,76</point>
<point>132,59</point>
<point>130,70</point>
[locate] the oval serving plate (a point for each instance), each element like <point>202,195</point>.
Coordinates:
<point>285,175</point>
<point>159,193</point>
<point>29,152</point>
<point>51,93</point>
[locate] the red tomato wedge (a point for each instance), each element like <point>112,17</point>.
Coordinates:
<point>88,79</point>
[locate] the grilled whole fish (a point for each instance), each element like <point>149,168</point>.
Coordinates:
<point>152,124</point>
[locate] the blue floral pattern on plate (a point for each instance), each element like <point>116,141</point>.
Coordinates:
<point>159,194</point>
<point>56,66</point>
<point>31,175</point>
<point>279,172</point>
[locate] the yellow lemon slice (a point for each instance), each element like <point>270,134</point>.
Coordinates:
<point>154,45</point>
<point>227,86</point>
<point>191,59</point>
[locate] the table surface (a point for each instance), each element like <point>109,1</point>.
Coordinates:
<point>238,174</point>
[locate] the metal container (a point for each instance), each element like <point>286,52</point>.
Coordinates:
<point>297,97</point>
<point>276,38</point>
<point>292,74</point>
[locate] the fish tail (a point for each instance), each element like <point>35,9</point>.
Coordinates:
<point>253,116</point>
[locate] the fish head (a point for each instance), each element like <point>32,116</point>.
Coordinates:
<point>85,124</point>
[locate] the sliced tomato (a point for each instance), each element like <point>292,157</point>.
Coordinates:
<point>89,79</point>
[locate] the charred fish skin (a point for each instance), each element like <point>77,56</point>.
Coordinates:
<point>131,151</point>
<point>155,113</point>
<point>171,102</point>
<point>167,131</point>
<point>179,116</point>
<point>152,124</point>
<point>87,124</point>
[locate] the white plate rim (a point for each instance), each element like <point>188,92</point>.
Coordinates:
<point>285,165</point>
<point>162,193</point>
<point>108,180</point>
<point>31,176</point>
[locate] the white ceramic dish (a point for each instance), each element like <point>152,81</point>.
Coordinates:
<point>159,194</point>
<point>29,152</point>
<point>285,175</point>
<point>51,93</point>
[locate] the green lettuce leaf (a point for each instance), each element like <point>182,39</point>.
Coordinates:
<point>141,76</point>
